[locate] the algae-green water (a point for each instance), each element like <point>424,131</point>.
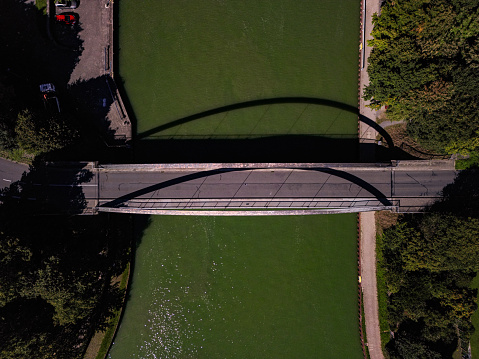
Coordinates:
<point>181,58</point>
<point>247,287</point>
<point>216,287</point>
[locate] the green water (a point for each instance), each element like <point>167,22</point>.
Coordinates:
<point>248,287</point>
<point>179,58</point>
<point>209,287</point>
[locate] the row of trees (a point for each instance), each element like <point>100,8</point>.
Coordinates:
<point>55,270</point>
<point>55,281</point>
<point>428,263</point>
<point>425,67</point>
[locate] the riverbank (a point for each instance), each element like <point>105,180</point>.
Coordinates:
<point>367,135</point>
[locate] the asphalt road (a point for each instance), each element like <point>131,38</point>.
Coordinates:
<point>10,172</point>
<point>169,188</point>
<point>236,187</point>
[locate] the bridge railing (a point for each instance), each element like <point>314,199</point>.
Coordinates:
<point>255,203</point>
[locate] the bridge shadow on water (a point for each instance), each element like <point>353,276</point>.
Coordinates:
<point>297,148</point>
<point>153,146</point>
<point>273,149</point>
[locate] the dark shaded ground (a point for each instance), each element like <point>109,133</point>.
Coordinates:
<point>80,253</point>
<point>29,58</point>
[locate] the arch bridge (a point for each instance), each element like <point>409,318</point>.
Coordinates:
<point>266,188</point>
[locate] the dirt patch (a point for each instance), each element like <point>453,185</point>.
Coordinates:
<point>402,140</point>
<point>385,220</point>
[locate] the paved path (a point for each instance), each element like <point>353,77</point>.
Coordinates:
<point>367,134</point>
<point>91,81</point>
<point>385,124</point>
<point>368,283</point>
<point>368,224</point>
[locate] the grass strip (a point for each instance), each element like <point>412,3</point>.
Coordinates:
<point>17,155</point>
<point>382,293</point>
<point>363,325</point>
<point>475,322</point>
<point>110,332</point>
<point>41,6</point>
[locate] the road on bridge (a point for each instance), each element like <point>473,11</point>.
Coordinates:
<point>319,186</point>
<point>255,186</point>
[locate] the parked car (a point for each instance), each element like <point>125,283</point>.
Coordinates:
<point>69,19</point>
<point>50,99</point>
<point>46,88</point>
<point>66,4</point>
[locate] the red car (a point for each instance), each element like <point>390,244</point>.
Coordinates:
<point>68,19</point>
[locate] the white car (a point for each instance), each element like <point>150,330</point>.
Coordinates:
<point>66,4</point>
<point>50,100</point>
<point>44,88</point>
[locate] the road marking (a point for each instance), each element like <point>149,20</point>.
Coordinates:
<point>7,180</point>
<point>67,185</point>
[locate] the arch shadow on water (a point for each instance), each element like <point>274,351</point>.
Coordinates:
<point>153,146</point>
<point>270,101</point>
<point>341,174</point>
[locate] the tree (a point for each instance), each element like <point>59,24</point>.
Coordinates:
<point>430,261</point>
<point>41,132</point>
<point>447,243</point>
<point>425,67</point>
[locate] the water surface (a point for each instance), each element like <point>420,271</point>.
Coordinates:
<point>248,287</point>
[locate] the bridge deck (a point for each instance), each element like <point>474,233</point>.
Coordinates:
<point>410,185</point>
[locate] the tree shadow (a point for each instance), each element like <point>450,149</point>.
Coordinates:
<point>462,196</point>
<point>48,189</point>
<point>29,56</point>
<point>81,253</point>
<point>93,109</point>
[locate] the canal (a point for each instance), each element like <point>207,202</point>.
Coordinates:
<point>241,287</point>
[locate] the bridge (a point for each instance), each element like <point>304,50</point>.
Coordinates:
<point>255,188</point>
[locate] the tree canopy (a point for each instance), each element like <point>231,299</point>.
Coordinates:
<point>428,262</point>
<point>424,66</point>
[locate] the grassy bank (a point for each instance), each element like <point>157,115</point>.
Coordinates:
<point>475,322</point>
<point>382,293</point>
<point>101,341</point>
<point>115,320</point>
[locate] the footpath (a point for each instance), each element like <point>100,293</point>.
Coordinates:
<point>367,219</point>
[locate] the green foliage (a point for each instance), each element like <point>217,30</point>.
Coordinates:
<point>382,292</point>
<point>7,137</point>
<point>41,6</point>
<point>42,132</point>
<point>53,274</point>
<point>425,66</point>
<point>471,162</point>
<point>429,263</point>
